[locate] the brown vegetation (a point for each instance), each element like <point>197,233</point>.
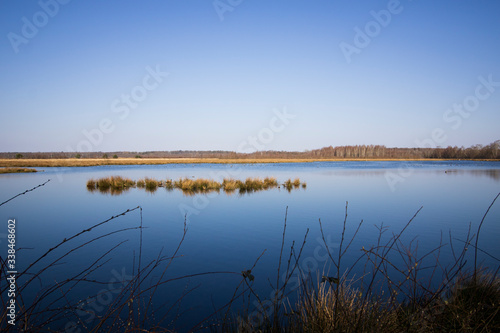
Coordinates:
<point>296,183</point>
<point>16,170</point>
<point>190,186</point>
<point>113,184</point>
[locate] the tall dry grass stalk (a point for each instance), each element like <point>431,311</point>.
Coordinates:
<point>391,294</point>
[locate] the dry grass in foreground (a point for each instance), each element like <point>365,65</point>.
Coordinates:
<point>84,162</point>
<point>388,297</point>
<point>16,170</point>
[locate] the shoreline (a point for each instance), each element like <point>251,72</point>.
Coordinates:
<point>85,162</point>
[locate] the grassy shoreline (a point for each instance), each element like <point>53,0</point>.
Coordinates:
<point>16,170</point>
<point>75,162</point>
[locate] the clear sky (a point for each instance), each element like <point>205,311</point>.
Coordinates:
<point>350,72</point>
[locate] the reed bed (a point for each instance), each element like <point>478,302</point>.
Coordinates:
<point>296,182</point>
<point>115,183</point>
<point>290,184</point>
<point>92,184</point>
<point>151,185</point>
<point>200,185</point>
<point>17,170</point>
<point>169,184</point>
<point>270,182</point>
<point>189,186</point>
<point>230,185</point>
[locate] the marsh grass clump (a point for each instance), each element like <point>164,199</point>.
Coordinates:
<point>230,185</point>
<point>290,184</point>
<point>471,304</point>
<point>91,184</point>
<point>150,184</point>
<point>169,184</point>
<point>189,186</point>
<point>184,184</point>
<point>200,185</point>
<point>270,182</point>
<point>104,183</point>
<point>296,182</point>
<point>17,170</point>
<point>113,184</point>
<point>253,184</point>
<point>206,185</point>
<point>119,182</point>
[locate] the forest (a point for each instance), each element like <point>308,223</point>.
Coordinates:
<point>486,152</point>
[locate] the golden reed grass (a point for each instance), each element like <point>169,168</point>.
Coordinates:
<point>190,186</point>
<point>83,162</point>
<point>16,170</point>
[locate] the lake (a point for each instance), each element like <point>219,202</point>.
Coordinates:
<point>228,232</point>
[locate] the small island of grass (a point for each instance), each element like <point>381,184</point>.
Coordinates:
<point>117,185</point>
<point>16,170</point>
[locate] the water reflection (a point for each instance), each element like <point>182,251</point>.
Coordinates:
<point>114,185</point>
<point>491,173</point>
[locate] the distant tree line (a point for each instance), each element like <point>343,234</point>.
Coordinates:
<point>491,151</point>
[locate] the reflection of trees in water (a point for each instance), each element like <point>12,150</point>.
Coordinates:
<point>492,173</point>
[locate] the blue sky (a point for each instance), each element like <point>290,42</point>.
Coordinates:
<point>66,66</point>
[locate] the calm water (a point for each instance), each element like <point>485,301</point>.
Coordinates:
<point>229,232</point>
